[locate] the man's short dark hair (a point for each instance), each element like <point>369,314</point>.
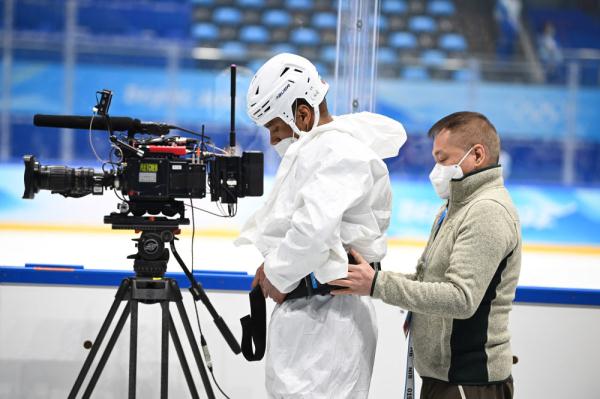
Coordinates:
<point>470,128</point>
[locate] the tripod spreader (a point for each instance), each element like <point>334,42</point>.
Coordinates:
<point>198,293</point>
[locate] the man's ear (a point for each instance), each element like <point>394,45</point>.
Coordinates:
<point>304,117</point>
<point>481,155</point>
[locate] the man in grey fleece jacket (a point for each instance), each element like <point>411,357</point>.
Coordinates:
<point>465,282</point>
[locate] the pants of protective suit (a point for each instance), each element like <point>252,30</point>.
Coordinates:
<point>321,347</point>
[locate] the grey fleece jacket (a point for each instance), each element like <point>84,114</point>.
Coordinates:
<point>464,286</point>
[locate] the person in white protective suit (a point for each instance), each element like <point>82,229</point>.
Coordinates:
<point>331,193</point>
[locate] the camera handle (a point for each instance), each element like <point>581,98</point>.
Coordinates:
<point>198,293</point>
<point>121,144</point>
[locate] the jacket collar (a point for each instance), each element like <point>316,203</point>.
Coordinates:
<point>464,189</point>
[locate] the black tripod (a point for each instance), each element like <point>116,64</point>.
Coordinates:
<point>149,287</point>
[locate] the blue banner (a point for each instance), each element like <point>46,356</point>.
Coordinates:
<point>202,96</point>
<point>517,110</point>
<point>549,214</point>
<point>190,96</point>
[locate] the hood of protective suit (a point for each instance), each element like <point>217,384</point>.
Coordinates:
<point>383,135</point>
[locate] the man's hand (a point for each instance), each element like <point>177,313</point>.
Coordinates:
<point>359,280</point>
<point>259,276</point>
<point>268,289</point>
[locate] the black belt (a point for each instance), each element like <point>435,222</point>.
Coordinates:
<point>309,286</point>
<point>254,325</point>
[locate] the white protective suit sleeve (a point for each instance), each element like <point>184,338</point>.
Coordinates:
<point>335,185</point>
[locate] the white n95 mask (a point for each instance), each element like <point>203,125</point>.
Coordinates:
<point>441,175</point>
<point>283,145</point>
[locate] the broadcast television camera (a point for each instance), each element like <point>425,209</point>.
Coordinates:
<point>151,171</point>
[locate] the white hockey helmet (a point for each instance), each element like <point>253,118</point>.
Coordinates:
<point>281,81</point>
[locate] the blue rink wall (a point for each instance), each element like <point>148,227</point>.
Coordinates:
<point>241,281</point>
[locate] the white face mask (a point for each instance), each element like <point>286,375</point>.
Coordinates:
<point>441,175</point>
<point>284,144</point>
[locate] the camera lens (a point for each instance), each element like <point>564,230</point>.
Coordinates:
<point>69,182</point>
<point>31,167</point>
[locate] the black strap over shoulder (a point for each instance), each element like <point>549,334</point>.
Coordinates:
<point>254,327</point>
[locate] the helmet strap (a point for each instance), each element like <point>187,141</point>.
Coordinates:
<point>317,116</point>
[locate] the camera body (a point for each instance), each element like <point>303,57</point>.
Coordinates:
<point>163,178</point>
<point>154,179</point>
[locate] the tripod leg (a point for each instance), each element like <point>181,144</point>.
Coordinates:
<point>195,350</point>
<point>107,351</point>
<point>199,294</point>
<point>133,348</point>
<point>164,357</point>
<point>184,364</point>
<point>123,288</point>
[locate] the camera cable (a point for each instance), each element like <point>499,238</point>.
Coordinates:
<point>91,141</point>
<point>203,342</point>
<point>209,212</point>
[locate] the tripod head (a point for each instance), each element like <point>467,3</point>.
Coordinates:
<point>152,257</point>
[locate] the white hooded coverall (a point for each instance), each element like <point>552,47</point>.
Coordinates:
<point>331,193</point>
